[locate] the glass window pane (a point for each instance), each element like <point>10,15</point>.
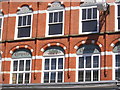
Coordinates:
<point>89,13</point>
<point>46,67</point>
<point>53,76</point>
<point>56,17</point>
<point>15,65</point>
<point>29,20</point>
<point>20,21</point>
<point>94,13</point>
<point>89,26</point>
<point>80,76</point>
<point>14,78</point>
<point>23,32</point>
<point>24,20</point>
<point>46,77</point>
<point>60,63</point>
<point>50,17</point>
<point>95,75</point>
<point>95,61</point>
<point>118,23</point>
<point>53,63</point>
<point>118,10</point>
<point>27,76</point>
<point>20,78</point>
<point>21,65</point>
<point>27,65</point>
<point>83,14</point>
<point>81,62</point>
<point>88,62</point>
<point>60,16</point>
<point>88,75</point>
<point>55,29</point>
<point>117,57</point>
<point>0,23</point>
<point>117,74</point>
<point>60,76</point>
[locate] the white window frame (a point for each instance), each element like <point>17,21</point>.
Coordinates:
<point>84,69</point>
<point>114,65</point>
<point>1,27</point>
<point>47,23</point>
<point>116,17</point>
<point>16,29</point>
<point>43,70</point>
<point>80,24</point>
<point>17,72</point>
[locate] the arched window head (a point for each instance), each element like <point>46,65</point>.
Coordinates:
<point>22,53</point>
<point>53,51</point>
<point>117,48</point>
<point>56,6</point>
<point>24,10</point>
<point>88,49</point>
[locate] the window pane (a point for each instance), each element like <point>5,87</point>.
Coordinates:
<point>117,74</point>
<point>20,21</point>
<point>80,76</point>
<point>53,63</point>
<point>60,63</point>
<point>53,76</point>
<point>88,76</point>
<point>20,78</point>
<point>81,62</point>
<point>60,16</point>
<point>60,76</point>
<point>95,61</point>
<point>89,26</point>
<point>15,65</point>
<point>14,78</point>
<point>56,17</point>
<point>21,65</point>
<point>46,64</point>
<point>83,14</point>
<point>23,32</point>
<point>50,17</point>
<point>27,65</point>
<point>118,10</point>
<point>46,77</point>
<point>29,20</point>
<point>118,23</point>
<point>88,62</point>
<point>0,23</point>
<point>24,20</point>
<point>55,29</point>
<point>89,13</point>
<point>27,76</point>
<point>95,75</point>
<point>94,13</point>
<point>117,57</point>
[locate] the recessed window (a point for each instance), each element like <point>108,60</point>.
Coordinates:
<point>118,17</point>
<point>116,52</point>
<point>55,19</point>
<point>21,67</point>
<point>53,65</point>
<point>88,64</point>
<point>24,23</point>
<point>55,24</point>
<point>89,20</point>
<point>1,26</point>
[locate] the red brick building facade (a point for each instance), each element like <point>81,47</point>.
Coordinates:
<point>59,43</point>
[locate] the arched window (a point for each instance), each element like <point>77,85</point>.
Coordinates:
<point>1,24</point>
<point>24,23</point>
<point>53,65</point>
<point>21,66</point>
<point>55,19</point>
<point>116,61</point>
<point>88,63</point>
